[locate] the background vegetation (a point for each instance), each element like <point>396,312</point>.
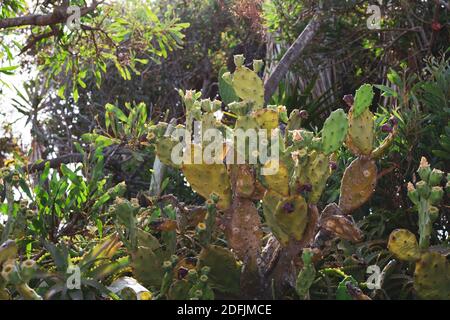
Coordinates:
<point>98,93</point>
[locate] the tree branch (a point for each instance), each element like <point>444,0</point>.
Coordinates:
<point>56,162</point>
<point>57,16</point>
<point>290,56</point>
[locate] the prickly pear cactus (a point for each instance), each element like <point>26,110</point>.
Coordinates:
<point>343,227</point>
<point>242,223</point>
<point>246,83</point>
<point>226,91</point>
<point>291,215</point>
<point>403,244</point>
<point>432,276</point>
<point>266,118</point>
<point>306,161</point>
<point>147,259</point>
<point>334,131</point>
<point>15,273</point>
<point>224,272</point>
<point>147,266</point>
<point>317,174</point>
<point>363,99</point>
<point>179,290</point>
<point>164,147</point>
<point>245,181</point>
<point>278,182</point>
<point>295,119</point>
<point>360,136</point>
<point>358,184</point>
<point>270,202</point>
<point>306,275</point>
<point>425,195</point>
<point>432,271</point>
<point>206,179</point>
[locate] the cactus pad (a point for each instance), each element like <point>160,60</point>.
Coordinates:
<point>363,99</point>
<point>342,226</point>
<point>266,118</point>
<point>179,290</point>
<point>291,215</point>
<point>164,147</point>
<point>225,271</point>
<point>246,122</point>
<point>278,182</point>
<point>248,86</point>
<point>360,135</point>
<point>317,173</point>
<point>306,275</point>
<point>270,202</point>
<point>147,266</point>
<point>245,182</point>
<point>334,131</point>
<point>432,276</point>
<point>206,179</point>
<point>226,91</point>
<point>358,184</point>
<point>403,244</point>
<point>243,230</point>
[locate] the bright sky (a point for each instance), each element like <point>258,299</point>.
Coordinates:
<point>20,130</point>
<point>12,116</point>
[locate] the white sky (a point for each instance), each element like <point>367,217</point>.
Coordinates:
<point>20,76</point>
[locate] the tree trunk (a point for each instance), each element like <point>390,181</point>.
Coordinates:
<point>290,56</point>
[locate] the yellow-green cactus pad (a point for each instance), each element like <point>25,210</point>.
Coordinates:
<point>209,121</point>
<point>164,146</point>
<point>270,202</point>
<point>147,266</point>
<point>403,244</point>
<point>360,137</point>
<point>318,171</point>
<point>146,239</point>
<point>8,250</point>
<point>267,119</point>
<point>358,184</point>
<point>248,86</point>
<point>278,182</point>
<point>246,122</point>
<point>206,179</point>
<point>291,215</point>
<point>225,272</point>
<point>432,277</point>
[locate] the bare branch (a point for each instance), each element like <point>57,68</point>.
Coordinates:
<point>58,16</point>
<point>290,56</point>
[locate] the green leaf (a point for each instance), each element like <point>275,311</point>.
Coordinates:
<point>61,92</point>
<point>117,112</point>
<point>75,94</point>
<point>151,15</point>
<point>8,70</point>
<point>387,92</point>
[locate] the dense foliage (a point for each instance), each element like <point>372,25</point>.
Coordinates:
<point>96,207</point>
